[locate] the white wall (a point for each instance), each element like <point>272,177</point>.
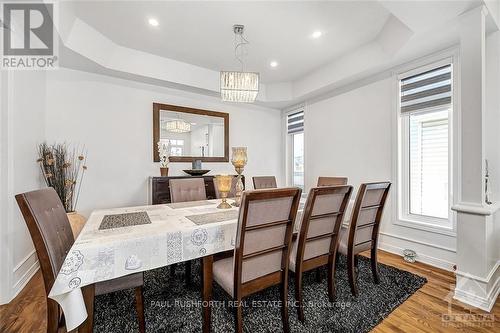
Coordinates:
<point>492,112</point>
<point>22,128</point>
<point>113,118</point>
<point>492,145</point>
<point>351,135</point>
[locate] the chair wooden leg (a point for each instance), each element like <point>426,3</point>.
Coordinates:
<point>373,259</point>
<point>318,275</point>
<point>331,282</point>
<point>88,297</point>
<point>352,275</point>
<point>188,273</point>
<point>207,276</point>
<point>284,306</point>
<point>139,307</point>
<point>238,316</point>
<point>298,295</point>
<point>52,316</point>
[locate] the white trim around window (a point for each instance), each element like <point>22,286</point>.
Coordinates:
<point>401,137</point>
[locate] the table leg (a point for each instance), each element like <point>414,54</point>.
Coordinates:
<point>207,277</point>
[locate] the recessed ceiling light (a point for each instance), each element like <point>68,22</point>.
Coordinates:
<point>316,34</point>
<point>273,64</point>
<point>154,22</point>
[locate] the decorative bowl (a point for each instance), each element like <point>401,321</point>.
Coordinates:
<point>196,172</point>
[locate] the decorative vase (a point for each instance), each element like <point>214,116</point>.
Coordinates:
<point>239,160</point>
<point>76,221</point>
<point>164,172</point>
<point>223,183</point>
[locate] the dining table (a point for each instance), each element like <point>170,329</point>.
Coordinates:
<point>120,241</point>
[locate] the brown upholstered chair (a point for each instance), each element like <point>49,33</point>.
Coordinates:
<point>52,236</point>
<point>317,242</point>
<point>182,190</point>
<point>362,233</point>
<point>231,193</point>
<point>260,259</point>
<point>187,189</point>
<point>332,181</point>
<point>263,182</point>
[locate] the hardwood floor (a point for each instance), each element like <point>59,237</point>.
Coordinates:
<point>424,311</point>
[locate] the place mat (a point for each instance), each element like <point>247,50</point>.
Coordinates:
<point>188,204</point>
<point>214,217</point>
<point>124,220</point>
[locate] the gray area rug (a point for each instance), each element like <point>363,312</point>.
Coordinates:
<point>172,307</point>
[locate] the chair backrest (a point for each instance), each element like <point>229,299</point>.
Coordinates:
<point>49,228</point>
<point>263,237</point>
<point>232,192</point>
<point>332,181</point>
<point>187,189</point>
<point>321,222</point>
<point>366,216</point>
<point>263,182</point>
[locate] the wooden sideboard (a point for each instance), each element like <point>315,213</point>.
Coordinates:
<point>160,188</point>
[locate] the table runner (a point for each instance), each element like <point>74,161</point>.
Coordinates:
<point>213,217</point>
<point>100,255</point>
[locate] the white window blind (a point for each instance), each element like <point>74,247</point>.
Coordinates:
<point>425,90</point>
<point>295,122</point>
<point>429,164</point>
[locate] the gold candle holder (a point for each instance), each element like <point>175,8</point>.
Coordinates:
<point>239,160</point>
<point>223,183</point>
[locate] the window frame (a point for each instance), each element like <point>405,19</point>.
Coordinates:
<point>402,171</point>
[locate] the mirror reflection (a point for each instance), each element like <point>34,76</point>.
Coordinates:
<point>191,134</point>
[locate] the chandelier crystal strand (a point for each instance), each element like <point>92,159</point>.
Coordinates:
<point>178,126</point>
<point>239,86</point>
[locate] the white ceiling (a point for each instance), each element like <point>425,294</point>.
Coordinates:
<point>194,40</point>
<point>200,33</point>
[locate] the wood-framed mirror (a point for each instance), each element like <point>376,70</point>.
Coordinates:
<point>193,134</point>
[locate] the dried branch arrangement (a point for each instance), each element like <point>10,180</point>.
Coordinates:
<point>63,168</point>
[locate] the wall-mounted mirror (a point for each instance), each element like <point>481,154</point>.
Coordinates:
<point>192,133</point>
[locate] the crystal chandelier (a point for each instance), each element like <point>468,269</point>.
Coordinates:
<point>178,126</point>
<point>239,86</point>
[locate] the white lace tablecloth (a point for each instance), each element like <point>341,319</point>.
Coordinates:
<point>171,237</point>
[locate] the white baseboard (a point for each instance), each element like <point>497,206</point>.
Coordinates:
<point>23,273</point>
<point>483,303</point>
<point>436,262</point>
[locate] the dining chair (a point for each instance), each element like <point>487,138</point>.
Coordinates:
<point>363,230</point>
<point>51,233</point>
<point>182,190</point>
<point>317,242</point>
<point>260,257</point>
<point>187,189</point>
<point>232,192</point>
<point>332,181</point>
<point>263,182</point>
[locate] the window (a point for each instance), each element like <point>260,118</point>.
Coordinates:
<point>429,164</point>
<point>295,148</point>
<point>425,109</point>
<point>176,147</point>
<point>298,159</point>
